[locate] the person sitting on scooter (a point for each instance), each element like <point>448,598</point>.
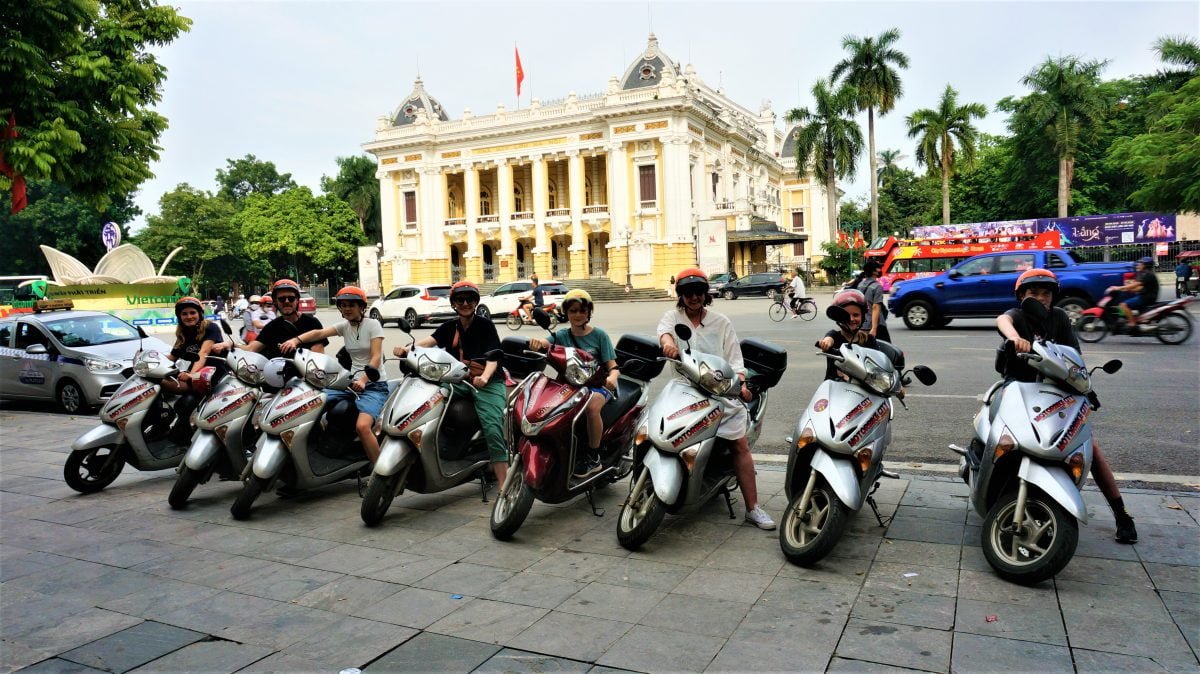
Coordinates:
<point>1015,326</point>
<point>289,323</point>
<point>471,338</point>
<point>850,332</point>
<point>1145,285</point>
<point>531,301</point>
<point>581,334</point>
<point>363,340</point>
<point>195,337</point>
<point>713,333</point>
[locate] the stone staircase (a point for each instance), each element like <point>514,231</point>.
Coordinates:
<point>601,290</point>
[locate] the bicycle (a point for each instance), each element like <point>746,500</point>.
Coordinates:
<point>779,309</point>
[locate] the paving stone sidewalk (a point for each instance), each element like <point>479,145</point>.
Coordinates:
<point>117,581</point>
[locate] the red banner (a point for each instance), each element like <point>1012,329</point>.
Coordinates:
<point>520,70</point>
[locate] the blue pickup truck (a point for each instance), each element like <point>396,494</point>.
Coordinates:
<point>982,286</point>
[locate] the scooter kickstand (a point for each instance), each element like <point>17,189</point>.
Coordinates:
<point>875,507</point>
<point>598,512</point>
<point>483,486</point>
<point>728,503</point>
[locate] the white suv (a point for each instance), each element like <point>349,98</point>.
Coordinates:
<point>416,303</point>
<point>505,299</point>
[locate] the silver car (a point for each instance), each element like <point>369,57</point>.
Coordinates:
<point>76,358</point>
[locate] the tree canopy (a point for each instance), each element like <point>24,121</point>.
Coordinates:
<point>57,217</point>
<point>249,175</point>
<point>357,185</point>
<point>1166,159</point>
<point>299,233</point>
<point>829,139</point>
<point>80,81</point>
<point>946,139</point>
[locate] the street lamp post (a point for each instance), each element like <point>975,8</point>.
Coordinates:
<point>628,259</point>
<point>379,265</point>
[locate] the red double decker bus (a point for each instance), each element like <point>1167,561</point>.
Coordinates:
<point>915,258</point>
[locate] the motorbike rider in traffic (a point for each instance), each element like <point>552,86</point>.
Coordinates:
<point>289,323</point>
<point>533,300</point>
<point>581,334</point>
<point>1015,326</point>
<point>363,339</point>
<point>713,333</point>
<point>1145,289</point>
<point>470,338</point>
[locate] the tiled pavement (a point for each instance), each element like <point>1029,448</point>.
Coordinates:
<point>118,582</point>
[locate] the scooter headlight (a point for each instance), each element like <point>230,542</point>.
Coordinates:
<point>249,373</point>
<point>577,373</point>
<point>714,381</point>
<point>430,370</point>
<point>878,379</point>
<point>146,363</point>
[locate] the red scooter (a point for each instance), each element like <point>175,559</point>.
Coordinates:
<point>547,424</point>
<point>1169,321</point>
<point>515,319</point>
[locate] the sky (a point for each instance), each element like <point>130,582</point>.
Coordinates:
<point>301,83</point>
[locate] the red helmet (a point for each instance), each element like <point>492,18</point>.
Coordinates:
<point>690,278</point>
<point>1036,278</point>
<point>285,284</point>
<point>351,293</point>
<point>203,381</point>
<point>266,299</point>
<point>850,296</point>
<point>186,302</point>
<point>464,288</point>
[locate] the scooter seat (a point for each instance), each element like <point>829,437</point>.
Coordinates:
<point>628,393</point>
<point>461,423</point>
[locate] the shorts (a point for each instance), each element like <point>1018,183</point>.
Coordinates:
<point>1136,303</point>
<point>608,395</point>
<point>370,401</point>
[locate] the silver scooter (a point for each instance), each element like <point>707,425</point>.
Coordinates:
<point>836,455</point>
<point>1030,457</point>
<point>139,425</point>
<point>432,437</point>
<point>681,463</point>
<point>295,447</point>
<point>225,436</point>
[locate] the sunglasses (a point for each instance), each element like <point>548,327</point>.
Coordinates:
<point>347,305</point>
<point>693,292</point>
<point>466,300</point>
<point>285,299</point>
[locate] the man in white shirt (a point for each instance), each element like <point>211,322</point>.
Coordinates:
<point>798,290</point>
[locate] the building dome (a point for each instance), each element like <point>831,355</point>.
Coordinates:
<point>646,70</point>
<point>788,150</point>
<point>419,99</point>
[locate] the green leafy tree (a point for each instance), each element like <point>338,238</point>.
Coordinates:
<point>871,69</point>
<point>907,200</point>
<point>249,175</point>
<point>203,225</point>
<point>321,233</point>
<point>829,140</point>
<point>1066,104</point>
<point>1182,52</point>
<point>56,217</point>
<point>841,260</point>
<point>889,166</point>
<point>946,139</point>
<point>79,78</point>
<point>357,185</point>
<point>1166,159</point>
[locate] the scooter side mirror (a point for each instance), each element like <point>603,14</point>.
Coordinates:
<point>925,375</point>
<point>1034,309</point>
<point>372,373</point>
<point>684,332</point>
<point>404,325</point>
<point>1112,366</point>
<point>541,318</point>
<point>837,314</point>
<point>141,332</point>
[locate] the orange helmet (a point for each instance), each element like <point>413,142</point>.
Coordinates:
<point>464,288</point>
<point>690,278</point>
<point>186,302</point>
<point>351,293</point>
<point>285,284</point>
<point>1036,278</point>
<point>266,299</point>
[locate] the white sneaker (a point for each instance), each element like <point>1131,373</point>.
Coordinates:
<point>759,518</point>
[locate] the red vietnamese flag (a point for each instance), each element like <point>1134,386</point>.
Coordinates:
<point>19,201</point>
<point>520,70</point>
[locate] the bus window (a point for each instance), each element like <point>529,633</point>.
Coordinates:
<point>899,267</point>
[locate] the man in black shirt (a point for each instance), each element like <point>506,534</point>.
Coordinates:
<point>1145,285</point>
<point>1021,330</point>
<point>288,324</point>
<point>532,301</point>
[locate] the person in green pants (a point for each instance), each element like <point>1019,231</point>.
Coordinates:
<point>471,339</point>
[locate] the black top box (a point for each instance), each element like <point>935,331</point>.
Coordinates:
<point>518,364</point>
<point>642,348</point>
<point>767,360</point>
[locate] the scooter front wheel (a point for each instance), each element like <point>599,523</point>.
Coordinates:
<point>641,515</point>
<point>185,484</point>
<point>1038,548</point>
<point>807,537</point>
<point>87,471</point>
<point>514,322</point>
<point>252,488</point>
<point>1091,329</point>
<point>380,492</point>
<point>512,503</point>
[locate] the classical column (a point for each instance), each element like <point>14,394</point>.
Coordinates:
<point>507,265</point>
<point>432,220</point>
<point>677,177</point>
<point>618,189</point>
<point>389,215</point>
<point>539,204</point>
<point>579,247</point>
<point>473,260</point>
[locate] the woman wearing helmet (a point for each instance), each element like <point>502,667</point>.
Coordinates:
<point>267,304</point>
<point>195,337</point>
<point>252,319</point>
<point>473,340</point>
<point>850,332</point>
<point>1020,329</point>
<point>362,338</point>
<point>581,334</point>
<point>713,333</point>
<point>289,323</point>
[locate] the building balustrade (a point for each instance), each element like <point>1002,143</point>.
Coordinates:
<point>597,209</point>
<point>724,205</point>
<point>522,215</point>
<point>558,213</point>
<point>452,222</point>
<point>649,205</point>
<point>489,218</point>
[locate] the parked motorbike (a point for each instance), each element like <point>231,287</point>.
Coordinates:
<point>681,463</point>
<point>515,320</point>
<point>433,440</point>
<point>139,425</point>
<point>1168,321</point>
<point>547,425</point>
<point>836,456</point>
<point>296,448</point>
<point>1030,457</point>
<point>225,436</point>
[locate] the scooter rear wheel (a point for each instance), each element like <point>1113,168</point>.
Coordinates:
<point>641,515</point>
<point>514,322</point>
<point>87,471</point>
<point>185,484</point>
<point>1173,328</point>
<point>1041,548</point>
<point>808,537</point>
<point>252,488</point>
<point>380,492</point>
<point>512,503</point>
<point>1091,329</point>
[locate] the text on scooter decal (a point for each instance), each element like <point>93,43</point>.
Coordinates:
<point>545,410</point>
<point>858,409</point>
<point>1074,428</point>
<point>133,402</point>
<point>247,397</point>
<point>699,426</point>
<point>314,402</point>
<point>420,411</point>
<point>1060,405</point>
<point>879,415</point>
<point>690,408</point>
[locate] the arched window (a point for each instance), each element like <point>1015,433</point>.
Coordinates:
<point>518,199</point>
<point>452,199</point>
<point>485,202</point>
<point>551,195</point>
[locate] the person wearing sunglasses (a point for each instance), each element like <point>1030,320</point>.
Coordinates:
<point>713,333</point>
<point>288,322</point>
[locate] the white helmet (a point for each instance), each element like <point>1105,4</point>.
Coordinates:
<point>255,299</point>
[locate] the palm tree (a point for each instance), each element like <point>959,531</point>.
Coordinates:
<point>888,166</point>
<point>1179,51</point>
<point>947,139</point>
<point>357,185</point>
<point>1065,102</point>
<point>829,140</point>
<point>871,70</point>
